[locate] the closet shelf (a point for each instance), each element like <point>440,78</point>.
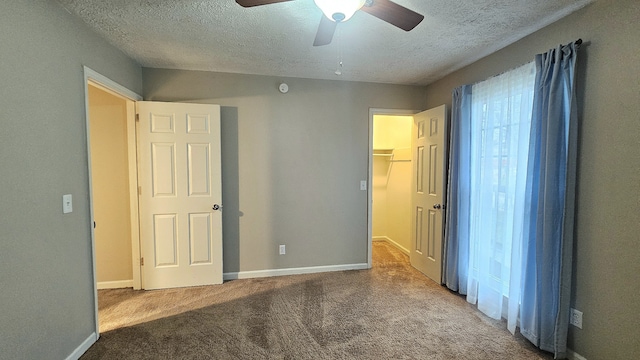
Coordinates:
<point>383,153</point>
<point>393,154</point>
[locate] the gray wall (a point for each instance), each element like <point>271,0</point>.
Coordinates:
<point>607,257</point>
<point>46,301</point>
<point>291,163</point>
<point>291,166</point>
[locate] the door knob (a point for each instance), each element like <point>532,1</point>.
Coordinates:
<point>217,207</point>
<point>437,206</point>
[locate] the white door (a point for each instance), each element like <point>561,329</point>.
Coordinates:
<point>180,195</point>
<point>428,185</point>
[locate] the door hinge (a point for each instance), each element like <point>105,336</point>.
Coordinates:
<point>141,261</point>
<point>137,117</point>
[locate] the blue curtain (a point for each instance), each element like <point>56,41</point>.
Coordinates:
<point>456,235</point>
<point>550,195</point>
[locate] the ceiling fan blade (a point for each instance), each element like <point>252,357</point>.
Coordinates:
<point>250,3</point>
<point>325,32</point>
<point>393,13</point>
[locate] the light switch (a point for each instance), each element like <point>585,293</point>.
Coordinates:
<point>363,185</point>
<point>67,204</point>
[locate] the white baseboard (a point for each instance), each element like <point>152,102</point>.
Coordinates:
<point>398,246</point>
<point>392,242</point>
<point>82,348</point>
<point>115,284</point>
<point>292,271</point>
<point>572,355</point>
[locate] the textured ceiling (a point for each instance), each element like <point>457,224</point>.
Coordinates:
<point>220,35</point>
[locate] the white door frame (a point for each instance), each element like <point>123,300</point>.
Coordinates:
<point>373,112</point>
<point>95,78</point>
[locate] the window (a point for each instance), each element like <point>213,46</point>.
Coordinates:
<point>500,123</point>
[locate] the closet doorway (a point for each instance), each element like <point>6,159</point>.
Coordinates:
<point>111,133</point>
<point>391,174</point>
<point>407,173</point>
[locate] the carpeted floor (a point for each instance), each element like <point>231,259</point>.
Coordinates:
<point>389,312</point>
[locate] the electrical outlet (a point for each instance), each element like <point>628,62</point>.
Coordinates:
<point>575,318</point>
<point>282,249</point>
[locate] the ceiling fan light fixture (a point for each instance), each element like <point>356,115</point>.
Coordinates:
<point>339,10</point>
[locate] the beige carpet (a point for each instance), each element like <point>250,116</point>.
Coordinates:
<point>389,312</point>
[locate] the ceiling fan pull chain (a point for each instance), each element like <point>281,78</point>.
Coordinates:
<point>339,44</point>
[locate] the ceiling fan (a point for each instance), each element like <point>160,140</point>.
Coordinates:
<point>336,11</point>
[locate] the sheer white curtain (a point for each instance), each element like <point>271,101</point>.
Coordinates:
<point>500,126</point>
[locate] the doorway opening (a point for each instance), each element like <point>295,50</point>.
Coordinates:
<point>391,180</point>
<point>407,173</point>
<point>110,183</point>
<point>385,163</point>
<point>113,201</point>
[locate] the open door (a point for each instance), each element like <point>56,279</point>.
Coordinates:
<point>180,192</point>
<point>428,184</point>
